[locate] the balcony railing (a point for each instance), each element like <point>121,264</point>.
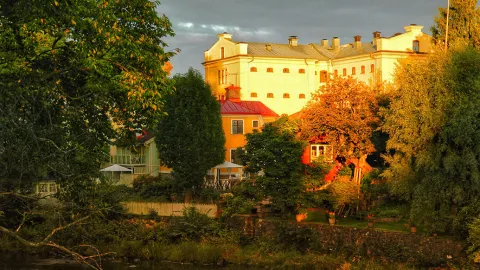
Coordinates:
<point>127,159</point>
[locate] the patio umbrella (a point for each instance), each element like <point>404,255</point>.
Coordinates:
<point>115,168</point>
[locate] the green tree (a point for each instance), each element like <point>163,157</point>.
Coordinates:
<point>74,76</point>
<point>344,114</point>
<point>433,125</point>
<point>277,154</point>
<point>189,136</point>
<point>463,23</point>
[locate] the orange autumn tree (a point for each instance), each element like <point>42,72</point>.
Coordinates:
<point>343,113</point>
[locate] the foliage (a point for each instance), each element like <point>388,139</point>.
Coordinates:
<point>345,194</point>
<point>276,153</point>
<point>464,24</point>
<point>292,237</point>
<point>189,136</point>
<point>244,197</point>
<point>434,125</point>
<point>160,188</point>
<point>344,114</point>
<point>67,72</point>
<point>474,239</point>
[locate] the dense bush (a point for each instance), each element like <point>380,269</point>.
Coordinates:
<point>159,188</point>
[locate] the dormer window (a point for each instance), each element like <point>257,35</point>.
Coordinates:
<point>253,69</point>
<point>416,46</point>
<point>286,70</point>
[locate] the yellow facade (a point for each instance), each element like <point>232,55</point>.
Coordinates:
<point>283,76</point>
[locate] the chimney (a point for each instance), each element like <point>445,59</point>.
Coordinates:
<point>225,35</point>
<point>268,47</point>
<point>233,93</point>
<point>413,28</point>
<point>293,41</point>
<point>324,43</point>
<point>336,44</point>
<point>376,35</point>
<point>357,43</point>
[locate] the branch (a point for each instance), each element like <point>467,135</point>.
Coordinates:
<point>65,227</point>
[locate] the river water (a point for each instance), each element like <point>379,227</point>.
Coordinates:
<point>13,261</point>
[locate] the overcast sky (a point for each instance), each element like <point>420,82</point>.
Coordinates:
<point>197,22</point>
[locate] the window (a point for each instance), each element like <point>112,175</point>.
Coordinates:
<point>416,46</point>
<point>222,76</point>
<point>232,155</point>
<point>302,96</point>
<point>301,71</point>
<point>344,72</point>
<point>219,77</point>
<point>253,69</point>
<point>286,70</point>
<point>255,123</point>
<point>270,95</point>
<point>222,53</point>
<point>315,72</point>
<point>270,70</point>
<point>321,150</point>
<point>362,70</point>
<point>42,188</point>
<point>335,73</point>
<point>354,71</point>
<point>323,76</point>
<point>286,95</point>
<point>372,68</point>
<point>253,94</point>
<point>237,126</point>
<point>53,188</point>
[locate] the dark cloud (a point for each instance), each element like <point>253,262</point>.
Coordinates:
<point>197,22</point>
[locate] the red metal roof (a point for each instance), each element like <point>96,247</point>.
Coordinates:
<point>246,107</point>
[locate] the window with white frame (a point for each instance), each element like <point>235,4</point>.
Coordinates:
<point>321,150</point>
<point>53,188</point>
<point>237,126</point>
<point>42,188</point>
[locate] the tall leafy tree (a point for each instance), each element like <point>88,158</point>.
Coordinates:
<point>276,153</point>
<point>74,76</point>
<point>463,23</point>
<point>344,114</point>
<point>433,124</point>
<point>189,136</point>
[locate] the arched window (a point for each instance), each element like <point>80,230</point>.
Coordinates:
<point>270,95</point>
<point>253,94</point>
<point>416,46</point>
<point>302,96</point>
<point>222,53</point>
<point>344,72</point>
<point>253,69</point>
<point>286,70</point>
<point>323,76</point>
<point>372,68</point>
<point>363,70</point>
<point>286,95</point>
<point>301,71</point>
<point>269,70</point>
<point>354,71</point>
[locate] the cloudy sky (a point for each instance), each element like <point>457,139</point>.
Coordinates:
<point>197,22</point>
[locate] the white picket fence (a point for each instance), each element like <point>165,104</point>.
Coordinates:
<point>168,209</point>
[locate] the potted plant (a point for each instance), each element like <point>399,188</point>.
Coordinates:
<point>331,218</point>
<point>370,220</point>
<point>413,226</point>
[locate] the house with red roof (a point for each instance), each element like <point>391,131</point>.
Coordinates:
<point>241,117</point>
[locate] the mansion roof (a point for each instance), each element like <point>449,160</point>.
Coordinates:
<point>246,107</point>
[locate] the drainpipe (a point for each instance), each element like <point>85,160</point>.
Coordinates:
<point>249,81</point>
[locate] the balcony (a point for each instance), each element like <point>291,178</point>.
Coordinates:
<point>128,159</point>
